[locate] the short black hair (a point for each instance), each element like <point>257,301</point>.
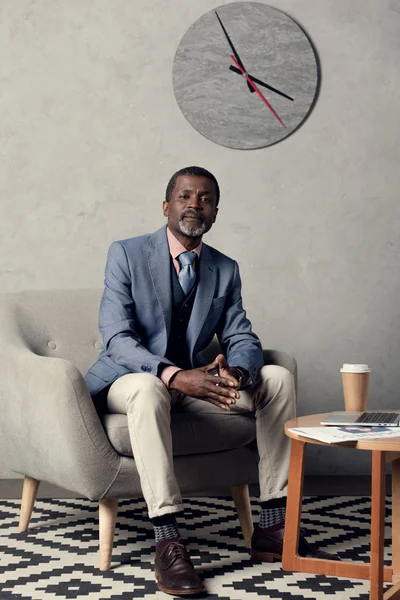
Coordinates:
<point>198,171</point>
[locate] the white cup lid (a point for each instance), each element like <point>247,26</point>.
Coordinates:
<point>355,368</point>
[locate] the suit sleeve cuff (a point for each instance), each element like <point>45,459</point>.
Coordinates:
<point>167,373</point>
<point>244,377</point>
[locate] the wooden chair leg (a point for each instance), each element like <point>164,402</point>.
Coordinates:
<point>377,524</point>
<point>29,492</point>
<point>241,498</point>
<point>108,509</point>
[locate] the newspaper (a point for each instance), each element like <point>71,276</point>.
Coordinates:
<point>335,435</point>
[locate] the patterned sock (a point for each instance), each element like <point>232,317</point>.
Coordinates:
<point>273,513</point>
<point>165,528</point>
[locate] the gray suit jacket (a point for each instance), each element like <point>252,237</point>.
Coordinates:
<point>136,308</point>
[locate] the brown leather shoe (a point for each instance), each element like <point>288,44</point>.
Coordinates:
<point>174,571</point>
<point>267,546</point>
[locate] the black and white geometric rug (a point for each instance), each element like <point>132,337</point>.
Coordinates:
<point>58,557</point>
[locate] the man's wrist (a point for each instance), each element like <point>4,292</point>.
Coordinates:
<point>171,379</point>
<point>166,372</point>
<point>243,376</point>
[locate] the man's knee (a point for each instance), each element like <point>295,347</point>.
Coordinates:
<point>148,383</point>
<point>277,375</point>
<point>277,380</point>
<point>146,391</point>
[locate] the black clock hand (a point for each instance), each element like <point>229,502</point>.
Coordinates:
<point>236,70</point>
<point>236,55</point>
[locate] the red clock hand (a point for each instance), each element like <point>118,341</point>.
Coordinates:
<point>255,88</point>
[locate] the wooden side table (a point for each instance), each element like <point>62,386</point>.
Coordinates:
<point>383,451</point>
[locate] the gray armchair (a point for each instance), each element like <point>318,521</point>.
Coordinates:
<point>52,432</point>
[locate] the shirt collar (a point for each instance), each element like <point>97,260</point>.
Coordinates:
<point>176,248</point>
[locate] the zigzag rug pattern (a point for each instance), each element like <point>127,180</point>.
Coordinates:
<point>58,557</point>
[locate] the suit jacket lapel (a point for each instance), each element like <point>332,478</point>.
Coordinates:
<point>204,296</point>
<point>158,257</point>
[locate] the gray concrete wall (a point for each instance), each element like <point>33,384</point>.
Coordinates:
<point>90,133</point>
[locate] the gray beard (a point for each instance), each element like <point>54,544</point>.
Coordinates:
<point>190,232</point>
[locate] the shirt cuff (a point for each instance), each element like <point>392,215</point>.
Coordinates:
<point>167,373</point>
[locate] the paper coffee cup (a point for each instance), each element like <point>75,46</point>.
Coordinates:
<point>355,379</point>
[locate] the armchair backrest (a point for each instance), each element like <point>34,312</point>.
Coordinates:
<point>64,324</point>
<point>57,323</point>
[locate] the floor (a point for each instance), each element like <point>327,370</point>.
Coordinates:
<point>58,557</point>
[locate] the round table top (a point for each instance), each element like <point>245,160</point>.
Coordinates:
<point>388,444</point>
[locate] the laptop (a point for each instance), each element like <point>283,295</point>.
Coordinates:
<point>367,419</point>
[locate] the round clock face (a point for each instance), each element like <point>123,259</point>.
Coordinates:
<point>245,75</point>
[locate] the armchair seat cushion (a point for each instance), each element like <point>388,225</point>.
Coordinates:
<point>191,434</point>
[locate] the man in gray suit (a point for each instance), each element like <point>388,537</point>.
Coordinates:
<point>166,295</point>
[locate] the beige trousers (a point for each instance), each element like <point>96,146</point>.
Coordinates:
<point>147,403</point>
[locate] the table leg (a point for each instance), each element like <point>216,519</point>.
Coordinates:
<point>393,593</point>
<point>291,561</point>
<point>293,505</point>
<point>377,524</point>
<point>396,519</point>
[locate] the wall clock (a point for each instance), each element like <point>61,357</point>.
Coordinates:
<point>245,75</point>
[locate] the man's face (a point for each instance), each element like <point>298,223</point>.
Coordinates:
<point>192,208</point>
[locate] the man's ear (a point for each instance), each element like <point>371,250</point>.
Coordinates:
<point>165,207</point>
<point>215,216</point>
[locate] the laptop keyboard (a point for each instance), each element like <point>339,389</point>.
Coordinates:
<point>378,417</point>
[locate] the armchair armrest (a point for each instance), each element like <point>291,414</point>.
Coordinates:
<point>49,424</point>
